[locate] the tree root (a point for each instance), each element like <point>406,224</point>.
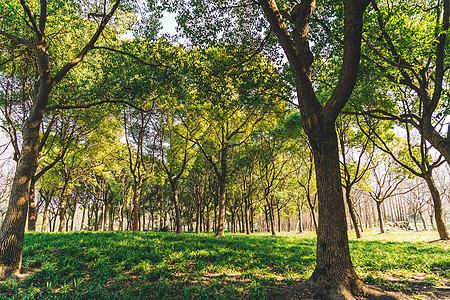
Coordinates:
<point>15,274</point>
<point>356,291</point>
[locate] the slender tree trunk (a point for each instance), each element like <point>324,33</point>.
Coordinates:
<point>351,210</point>
<point>96,208</point>
<point>73,216</point>
<point>415,221</point>
<point>311,208</point>
<point>247,217</point>
<point>44,216</point>
<point>82,218</point>
<point>103,216</point>
<point>438,211</point>
<point>380,216</point>
<point>135,213</point>
<point>176,204</point>
<point>207,221</point>
<point>198,223</point>
<point>279,219</point>
<point>111,217</point>
<point>62,210</point>
<point>423,220</point>
<point>272,220</point>
<point>220,230</point>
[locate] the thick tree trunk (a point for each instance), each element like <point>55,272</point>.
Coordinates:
<point>13,226</point>
<point>351,209</point>
<point>438,211</point>
<point>380,216</point>
<point>334,269</point>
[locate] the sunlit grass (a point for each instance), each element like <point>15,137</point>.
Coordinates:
<point>130,265</point>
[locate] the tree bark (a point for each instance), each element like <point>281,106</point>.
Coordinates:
<point>44,216</point>
<point>111,217</point>
<point>220,232</point>
<point>176,204</point>
<point>135,213</point>
<point>380,216</point>
<point>32,209</point>
<point>351,209</point>
<point>438,211</point>
<point>13,226</point>
<point>334,267</point>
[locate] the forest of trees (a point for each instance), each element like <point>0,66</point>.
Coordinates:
<point>266,115</point>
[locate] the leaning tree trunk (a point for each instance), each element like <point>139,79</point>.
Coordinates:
<point>13,227</point>
<point>334,269</point>
<point>438,212</point>
<point>351,209</point>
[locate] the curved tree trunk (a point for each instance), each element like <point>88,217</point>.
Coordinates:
<point>438,212</point>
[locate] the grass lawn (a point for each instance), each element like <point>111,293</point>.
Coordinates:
<point>156,265</point>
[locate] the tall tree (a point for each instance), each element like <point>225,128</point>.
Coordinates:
<point>334,275</point>
<point>36,39</point>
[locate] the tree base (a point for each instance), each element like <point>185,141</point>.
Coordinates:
<point>311,291</point>
<point>354,291</point>
<point>13,273</point>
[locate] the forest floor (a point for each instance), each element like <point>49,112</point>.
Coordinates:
<point>164,265</point>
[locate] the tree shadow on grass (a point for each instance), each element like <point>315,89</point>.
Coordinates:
<point>149,265</point>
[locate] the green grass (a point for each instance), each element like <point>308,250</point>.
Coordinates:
<point>149,265</point>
